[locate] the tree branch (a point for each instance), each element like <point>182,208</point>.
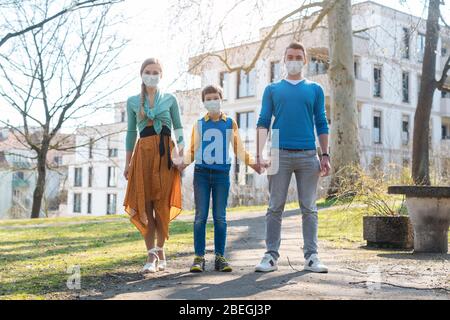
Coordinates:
<point>77,6</point>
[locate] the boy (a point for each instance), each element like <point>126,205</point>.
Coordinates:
<point>211,137</point>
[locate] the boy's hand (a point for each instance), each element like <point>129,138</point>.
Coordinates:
<point>257,167</point>
<point>263,163</point>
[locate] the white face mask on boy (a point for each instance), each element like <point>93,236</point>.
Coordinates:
<point>213,106</point>
<point>151,80</point>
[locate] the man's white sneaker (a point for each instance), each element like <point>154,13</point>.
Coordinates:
<point>267,264</point>
<point>313,264</point>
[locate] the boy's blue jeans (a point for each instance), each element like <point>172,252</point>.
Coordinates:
<point>217,183</point>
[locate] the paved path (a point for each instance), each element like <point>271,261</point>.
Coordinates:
<point>355,272</point>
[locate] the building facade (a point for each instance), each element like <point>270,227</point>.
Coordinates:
<point>18,176</point>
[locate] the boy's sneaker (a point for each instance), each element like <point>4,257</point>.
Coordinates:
<point>267,264</point>
<point>313,264</point>
<point>222,265</point>
<point>198,265</point>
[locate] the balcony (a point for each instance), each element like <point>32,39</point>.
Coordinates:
<point>445,107</point>
<point>362,87</point>
<point>18,183</point>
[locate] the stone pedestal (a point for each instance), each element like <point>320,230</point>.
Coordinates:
<point>429,211</point>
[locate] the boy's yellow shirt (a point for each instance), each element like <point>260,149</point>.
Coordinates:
<point>238,146</point>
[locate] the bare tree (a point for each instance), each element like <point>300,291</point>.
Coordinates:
<point>344,113</point>
<point>429,84</point>
<point>52,74</point>
<point>74,5</point>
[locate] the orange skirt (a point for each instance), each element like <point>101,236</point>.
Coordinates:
<point>150,180</point>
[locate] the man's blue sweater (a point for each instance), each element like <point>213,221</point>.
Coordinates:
<point>296,109</point>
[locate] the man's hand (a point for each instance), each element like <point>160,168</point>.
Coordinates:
<point>325,166</point>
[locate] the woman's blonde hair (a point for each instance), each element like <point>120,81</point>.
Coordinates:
<point>147,62</point>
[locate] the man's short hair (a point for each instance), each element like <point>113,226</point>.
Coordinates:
<point>212,89</point>
<point>298,46</point>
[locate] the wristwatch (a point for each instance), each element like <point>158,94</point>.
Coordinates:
<point>325,155</point>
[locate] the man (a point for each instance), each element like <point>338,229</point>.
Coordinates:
<point>298,107</point>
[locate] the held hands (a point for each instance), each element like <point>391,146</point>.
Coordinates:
<point>261,165</point>
<point>178,160</point>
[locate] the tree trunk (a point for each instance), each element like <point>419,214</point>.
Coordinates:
<point>421,146</point>
<point>344,113</point>
<point>39,190</point>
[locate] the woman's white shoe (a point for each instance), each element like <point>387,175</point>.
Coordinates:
<point>152,267</point>
<point>162,265</point>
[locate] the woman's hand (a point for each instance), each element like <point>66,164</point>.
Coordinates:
<point>125,172</point>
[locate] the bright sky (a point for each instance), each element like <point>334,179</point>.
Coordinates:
<point>152,32</point>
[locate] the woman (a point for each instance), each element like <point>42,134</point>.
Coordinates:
<point>153,196</point>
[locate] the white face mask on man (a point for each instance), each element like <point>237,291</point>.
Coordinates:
<point>294,67</point>
<point>213,106</point>
<point>151,80</point>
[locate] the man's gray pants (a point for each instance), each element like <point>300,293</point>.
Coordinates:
<point>306,167</point>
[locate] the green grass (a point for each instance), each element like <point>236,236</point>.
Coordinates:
<point>35,254</point>
<point>341,226</point>
<point>34,261</point>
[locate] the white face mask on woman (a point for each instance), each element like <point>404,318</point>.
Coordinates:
<point>213,106</point>
<point>294,67</point>
<point>151,80</point>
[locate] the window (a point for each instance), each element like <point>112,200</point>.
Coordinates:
<point>377,81</point>
<point>57,160</point>
<point>246,84</point>
<point>445,94</point>
<point>405,130</point>
<point>245,122</point>
<point>317,66</point>
<point>89,203</point>
<point>78,181</point>
<point>420,47</point>
<point>111,205</point>
<point>224,83</point>
<point>377,127</point>
<point>445,132</point>
<point>91,148</point>
<point>405,87</point>
<point>405,43</point>
<point>356,68</point>
<point>77,202</point>
<point>112,177</point>
<point>19,175</point>
<point>113,152</point>
<point>444,52</point>
<point>419,84</point>
<point>122,116</point>
<point>90,176</point>
<point>275,71</point>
